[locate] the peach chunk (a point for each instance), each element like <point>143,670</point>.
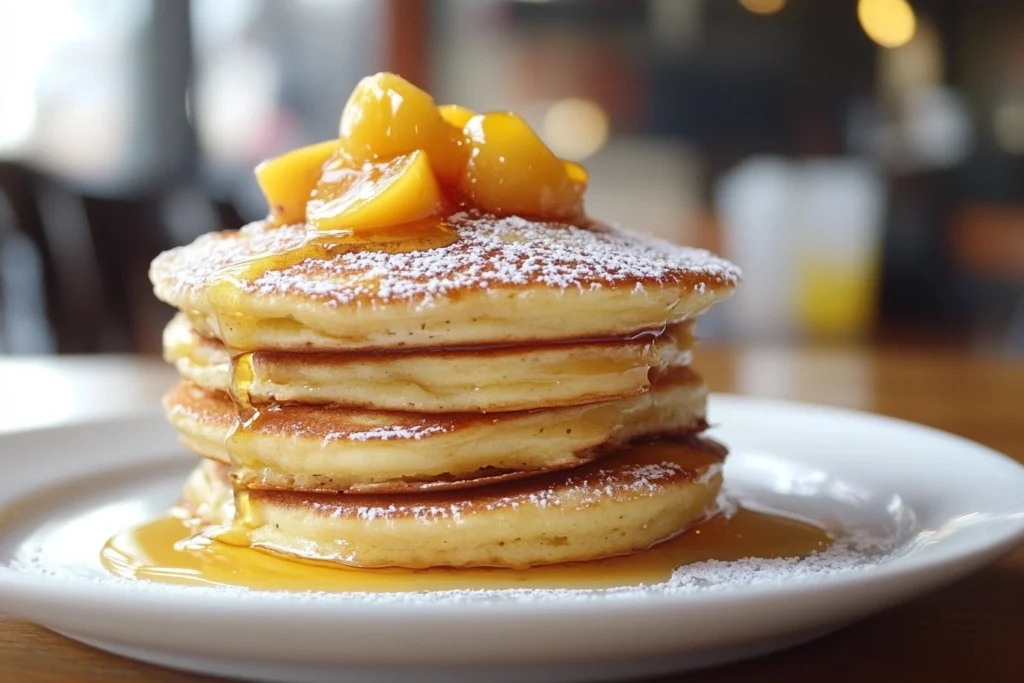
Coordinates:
<point>577,174</point>
<point>511,171</point>
<point>387,116</point>
<point>376,195</point>
<point>456,115</point>
<point>288,181</point>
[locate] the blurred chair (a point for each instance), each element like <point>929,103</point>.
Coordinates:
<point>82,316</point>
<point>127,232</point>
<point>27,296</point>
<point>82,262</point>
<point>24,324</point>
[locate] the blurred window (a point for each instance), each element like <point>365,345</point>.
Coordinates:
<point>271,76</point>
<point>66,82</point>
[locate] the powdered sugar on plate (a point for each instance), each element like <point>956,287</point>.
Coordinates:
<point>851,552</point>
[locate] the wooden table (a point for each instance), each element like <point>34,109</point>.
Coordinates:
<point>971,631</point>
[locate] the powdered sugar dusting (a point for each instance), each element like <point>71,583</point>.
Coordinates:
<point>490,253</point>
<point>414,432</point>
<point>578,491</point>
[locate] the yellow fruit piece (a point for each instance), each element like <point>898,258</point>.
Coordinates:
<point>456,115</point>
<point>580,179</point>
<point>577,173</point>
<point>449,155</point>
<point>288,181</point>
<point>387,116</point>
<point>376,195</point>
<point>511,171</point>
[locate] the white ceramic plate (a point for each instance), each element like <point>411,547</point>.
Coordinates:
<point>924,508</point>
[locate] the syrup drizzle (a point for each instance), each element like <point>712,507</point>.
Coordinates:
<point>326,245</point>
<point>166,550</point>
<point>230,281</point>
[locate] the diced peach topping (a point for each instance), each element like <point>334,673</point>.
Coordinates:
<point>288,181</point>
<point>456,115</point>
<point>387,116</point>
<point>401,159</point>
<point>377,195</point>
<point>511,171</point>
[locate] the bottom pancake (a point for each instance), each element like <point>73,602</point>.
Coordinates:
<point>623,503</point>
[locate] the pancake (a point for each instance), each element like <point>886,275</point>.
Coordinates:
<point>483,281</point>
<point>473,380</point>
<point>624,503</point>
<point>308,447</point>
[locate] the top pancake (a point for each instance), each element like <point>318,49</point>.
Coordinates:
<point>496,281</point>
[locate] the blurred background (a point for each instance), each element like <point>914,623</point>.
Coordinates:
<point>863,160</point>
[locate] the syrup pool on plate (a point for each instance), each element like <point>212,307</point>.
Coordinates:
<point>168,550</point>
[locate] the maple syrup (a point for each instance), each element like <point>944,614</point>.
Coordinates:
<point>237,329</point>
<point>167,550</point>
<point>324,246</point>
<point>228,287</point>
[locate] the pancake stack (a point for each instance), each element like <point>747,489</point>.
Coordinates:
<point>493,391</point>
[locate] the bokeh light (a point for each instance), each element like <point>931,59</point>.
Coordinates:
<point>890,23</point>
<point>575,128</point>
<point>763,6</point>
